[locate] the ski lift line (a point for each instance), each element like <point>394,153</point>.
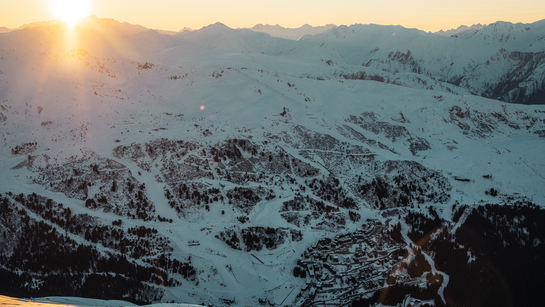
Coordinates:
<point>309,160</point>
<point>283,254</point>
<point>257,258</point>
<point>531,168</point>
<point>281,303</point>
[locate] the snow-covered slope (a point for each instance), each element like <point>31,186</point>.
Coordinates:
<point>501,61</point>
<point>205,167</point>
<point>512,37</point>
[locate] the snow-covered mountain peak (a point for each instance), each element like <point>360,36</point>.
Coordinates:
<point>291,33</point>
<point>216,26</point>
<point>463,28</point>
<point>510,36</point>
<point>110,26</point>
<point>186,29</point>
<point>40,24</point>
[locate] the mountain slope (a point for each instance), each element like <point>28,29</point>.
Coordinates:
<point>223,165</point>
<point>500,61</point>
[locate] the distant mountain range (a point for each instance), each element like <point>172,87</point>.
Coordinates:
<point>463,28</point>
<point>273,30</point>
<point>291,33</point>
<point>501,61</point>
<point>298,33</point>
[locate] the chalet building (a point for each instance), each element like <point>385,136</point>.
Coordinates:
<point>312,293</point>
<point>311,271</point>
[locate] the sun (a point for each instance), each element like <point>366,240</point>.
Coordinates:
<point>70,11</point>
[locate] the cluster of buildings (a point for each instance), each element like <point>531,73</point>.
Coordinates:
<point>349,266</point>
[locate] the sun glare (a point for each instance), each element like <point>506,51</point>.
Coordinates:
<point>70,11</point>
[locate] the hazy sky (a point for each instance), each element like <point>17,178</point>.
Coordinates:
<point>428,15</point>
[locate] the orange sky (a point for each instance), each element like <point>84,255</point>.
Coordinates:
<point>428,15</point>
<point>15,302</point>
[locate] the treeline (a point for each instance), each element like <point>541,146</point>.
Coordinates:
<point>496,257</point>
<point>331,190</point>
<point>41,258</point>
<point>255,238</point>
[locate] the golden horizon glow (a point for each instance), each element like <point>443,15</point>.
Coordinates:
<point>70,11</point>
<point>17,302</point>
<point>174,15</point>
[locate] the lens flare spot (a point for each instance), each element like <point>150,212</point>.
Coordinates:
<point>202,107</point>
